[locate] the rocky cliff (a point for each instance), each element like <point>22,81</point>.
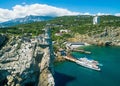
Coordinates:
<point>108,36</point>
<point>46,69</point>
<point>22,62</point>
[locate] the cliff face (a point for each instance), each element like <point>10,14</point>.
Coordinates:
<point>46,75</point>
<point>17,59</point>
<point>46,65</point>
<point>109,36</point>
<point>22,62</point>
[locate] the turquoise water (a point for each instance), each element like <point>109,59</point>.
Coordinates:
<point>71,74</point>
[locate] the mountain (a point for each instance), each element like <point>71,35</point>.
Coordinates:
<point>27,19</point>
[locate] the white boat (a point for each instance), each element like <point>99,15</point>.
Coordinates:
<point>88,63</point>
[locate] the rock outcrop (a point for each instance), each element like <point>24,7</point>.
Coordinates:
<point>108,37</point>
<point>46,65</point>
<point>23,62</point>
<point>46,73</point>
<point>18,60</point>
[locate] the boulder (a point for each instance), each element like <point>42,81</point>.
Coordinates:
<point>108,43</point>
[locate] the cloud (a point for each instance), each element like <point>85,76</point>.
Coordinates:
<point>117,14</point>
<point>100,14</point>
<point>19,11</point>
<point>5,14</point>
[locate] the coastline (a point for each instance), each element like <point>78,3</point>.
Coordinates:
<point>109,57</point>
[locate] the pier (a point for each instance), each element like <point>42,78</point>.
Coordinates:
<point>70,58</point>
<point>81,51</point>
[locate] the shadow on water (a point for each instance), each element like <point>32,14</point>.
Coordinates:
<point>62,79</point>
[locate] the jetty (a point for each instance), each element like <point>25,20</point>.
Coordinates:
<point>81,51</point>
<point>70,58</point>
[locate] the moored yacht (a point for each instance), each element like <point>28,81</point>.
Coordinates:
<point>92,64</point>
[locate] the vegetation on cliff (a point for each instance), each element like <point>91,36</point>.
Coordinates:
<point>81,25</point>
<point>81,29</point>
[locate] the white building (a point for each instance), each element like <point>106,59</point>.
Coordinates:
<point>72,45</point>
<point>96,20</point>
<point>64,31</point>
<point>58,34</point>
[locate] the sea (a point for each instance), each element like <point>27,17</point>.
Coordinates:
<point>70,74</point>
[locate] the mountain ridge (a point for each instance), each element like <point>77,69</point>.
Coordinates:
<point>24,20</point>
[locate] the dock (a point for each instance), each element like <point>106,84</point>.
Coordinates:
<point>70,58</point>
<point>81,51</point>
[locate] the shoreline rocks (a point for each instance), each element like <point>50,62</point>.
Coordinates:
<point>108,37</point>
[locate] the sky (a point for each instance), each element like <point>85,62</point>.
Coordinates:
<point>11,9</point>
